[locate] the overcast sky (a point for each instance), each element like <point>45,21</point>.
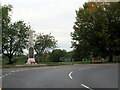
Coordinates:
<point>48,16</point>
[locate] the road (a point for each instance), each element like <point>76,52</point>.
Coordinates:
<point>77,76</point>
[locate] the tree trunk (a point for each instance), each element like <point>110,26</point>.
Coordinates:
<point>10,60</point>
<point>110,58</point>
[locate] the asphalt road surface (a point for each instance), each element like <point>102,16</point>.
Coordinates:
<point>74,76</point>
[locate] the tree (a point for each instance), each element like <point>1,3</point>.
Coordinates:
<point>44,43</point>
<point>97,30</point>
<point>0,34</point>
<point>57,55</point>
<point>68,56</point>
<point>14,35</point>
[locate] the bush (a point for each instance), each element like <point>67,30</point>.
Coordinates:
<point>20,60</point>
<point>4,61</point>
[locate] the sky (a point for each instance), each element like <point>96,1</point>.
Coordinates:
<point>48,16</point>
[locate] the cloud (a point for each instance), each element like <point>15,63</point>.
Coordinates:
<point>45,16</point>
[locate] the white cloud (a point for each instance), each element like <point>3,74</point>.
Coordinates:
<point>45,16</point>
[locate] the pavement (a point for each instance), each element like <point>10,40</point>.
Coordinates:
<point>86,76</point>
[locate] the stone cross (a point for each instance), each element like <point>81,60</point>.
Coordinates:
<point>31,59</point>
<point>31,45</point>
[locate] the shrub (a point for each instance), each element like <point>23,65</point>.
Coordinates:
<point>4,61</point>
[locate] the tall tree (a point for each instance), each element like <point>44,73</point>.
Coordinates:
<point>97,30</point>
<point>14,35</point>
<point>44,43</point>
<point>0,32</point>
<point>57,55</point>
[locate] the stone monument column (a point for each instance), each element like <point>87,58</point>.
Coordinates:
<point>31,59</point>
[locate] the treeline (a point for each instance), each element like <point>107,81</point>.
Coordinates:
<point>96,34</point>
<point>97,31</point>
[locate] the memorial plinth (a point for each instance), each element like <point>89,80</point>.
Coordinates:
<point>31,59</point>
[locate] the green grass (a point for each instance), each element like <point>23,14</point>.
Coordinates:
<point>20,63</point>
<point>60,63</point>
<point>55,63</point>
<point>78,62</point>
<point>64,63</point>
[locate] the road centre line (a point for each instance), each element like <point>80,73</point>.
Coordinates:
<point>86,86</point>
<point>6,74</point>
<point>83,68</point>
<point>86,68</point>
<point>21,70</point>
<point>70,75</point>
<point>12,71</point>
<point>17,70</point>
<point>9,73</point>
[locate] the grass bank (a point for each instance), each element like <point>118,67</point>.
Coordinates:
<point>56,64</point>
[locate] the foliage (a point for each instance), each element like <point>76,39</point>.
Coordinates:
<point>96,30</point>
<point>44,43</point>
<point>20,59</point>
<point>14,35</point>
<point>4,61</point>
<point>68,56</point>
<point>57,55</point>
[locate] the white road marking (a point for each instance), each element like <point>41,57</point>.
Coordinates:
<point>17,70</point>
<point>9,73</point>
<point>86,86</point>
<point>0,77</point>
<point>70,75</point>
<point>3,76</point>
<point>82,68</point>
<point>86,68</point>
<point>6,74</point>
<point>12,71</point>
